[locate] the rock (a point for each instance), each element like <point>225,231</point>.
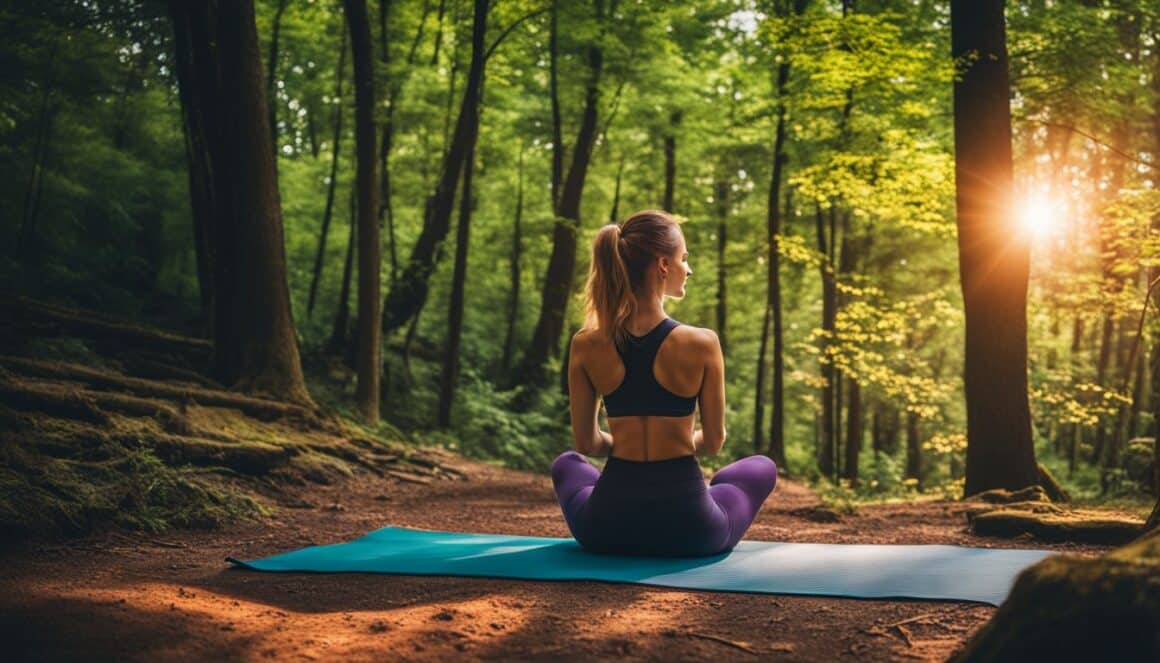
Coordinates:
<point>1074,609</point>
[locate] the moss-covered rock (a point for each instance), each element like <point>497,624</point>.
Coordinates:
<point>1073,609</point>
<point>1078,526</point>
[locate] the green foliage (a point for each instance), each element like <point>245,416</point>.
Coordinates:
<point>869,154</point>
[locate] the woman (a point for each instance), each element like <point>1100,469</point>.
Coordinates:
<point>651,371</point>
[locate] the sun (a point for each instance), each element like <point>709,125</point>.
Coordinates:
<point>1039,215</point>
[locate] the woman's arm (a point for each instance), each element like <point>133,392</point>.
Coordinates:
<point>583,405</point>
<point>710,437</point>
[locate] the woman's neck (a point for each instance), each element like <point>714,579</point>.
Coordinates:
<point>650,311</point>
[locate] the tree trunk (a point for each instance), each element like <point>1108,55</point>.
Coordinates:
<point>561,265</point>
<point>271,76</point>
<point>409,292</point>
<point>438,31</point>
<point>197,157</point>
<point>27,240</point>
<point>554,96</point>
<point>721,198</point>
<point>773,271</point>
<point>333,180</point>
<point>1101,379</point>
<point>614,215</point>
<point>993,260</point>
<point>826,450</point>
<point>759,389</point>
<point>913,451</point>
<point>369,361</point>
<point>854,429</point>
<point>341,328</point>
<point>885,428</point>
<point>312,129</point>
<point>255,348</point>
<point>450,374</point>
<point>671,160</point>
<point>517,249</point>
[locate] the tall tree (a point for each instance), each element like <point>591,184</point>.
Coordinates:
<point>514,265</point>
<point>408,294</point>
<point>561,265</point>
<point>332,181</point>
<point>776,449</point>
<point>827,446</point>
<point>450,374</point>
<point>255,348</point>
<point>671,160</point>
<point>197,156</point>
<point>369,359</point>
<point>993,260</point>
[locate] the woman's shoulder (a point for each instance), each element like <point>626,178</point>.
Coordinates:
<point>699,338</point>
<point>587,338</point>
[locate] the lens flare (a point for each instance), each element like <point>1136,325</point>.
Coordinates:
<point>1038,215</point>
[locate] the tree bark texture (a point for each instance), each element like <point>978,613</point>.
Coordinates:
<point>369,362</point>
<point>993,260</point>
<point>255,348</point>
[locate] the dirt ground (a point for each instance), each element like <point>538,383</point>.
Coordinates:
<point>115,596</point>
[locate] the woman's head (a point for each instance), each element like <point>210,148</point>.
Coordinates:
<point>645,256</point>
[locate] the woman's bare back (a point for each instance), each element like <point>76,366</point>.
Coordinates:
<point>679,367</point>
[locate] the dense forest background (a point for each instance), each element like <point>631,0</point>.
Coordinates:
<point>826,126</point>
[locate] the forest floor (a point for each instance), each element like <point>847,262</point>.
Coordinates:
<point>108,433</point>
<point>139,597</point>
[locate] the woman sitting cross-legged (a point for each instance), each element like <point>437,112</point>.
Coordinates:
<point>651,371</point>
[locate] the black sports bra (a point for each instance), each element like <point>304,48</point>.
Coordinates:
<point>640,393</point>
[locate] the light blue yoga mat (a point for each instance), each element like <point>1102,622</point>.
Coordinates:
<point>861,571</point>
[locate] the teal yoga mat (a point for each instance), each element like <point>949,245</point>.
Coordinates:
<point>941,572</point>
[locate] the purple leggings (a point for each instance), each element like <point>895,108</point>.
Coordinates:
<point>660,508</point>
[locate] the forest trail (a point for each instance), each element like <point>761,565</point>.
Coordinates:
<point>172,597</point>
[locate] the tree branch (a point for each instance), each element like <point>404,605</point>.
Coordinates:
<point>507,31</point>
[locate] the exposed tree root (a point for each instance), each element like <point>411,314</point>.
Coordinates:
<point>258,408</point>
<point>1055,490</point>
<point>49,319</point>
<point>76,403</point>
<point>250,458</point>
<point>151,369</point>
